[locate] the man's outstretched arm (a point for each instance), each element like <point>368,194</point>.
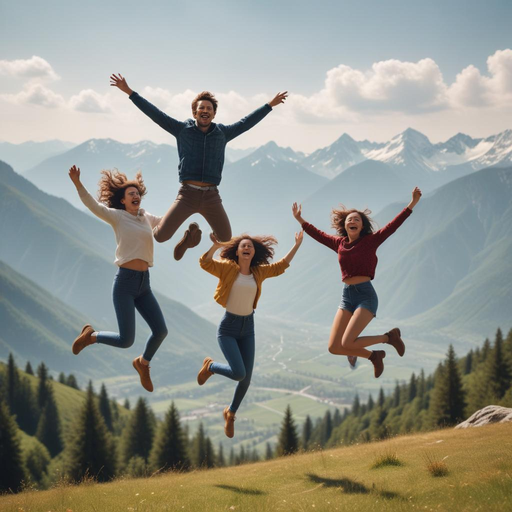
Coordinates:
<point>166,122</point>
<point>246,123</point>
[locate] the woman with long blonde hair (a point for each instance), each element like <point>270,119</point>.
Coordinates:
<point>118,204</point>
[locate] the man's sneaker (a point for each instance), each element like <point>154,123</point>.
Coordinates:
<point>378,364</point>
<point>395,341</point>
<point>352,361</point>
<point>205,373</point>
<point>190,239</point>
<point>143,371</point>
<point>84,340</point>
<point>229,422</point>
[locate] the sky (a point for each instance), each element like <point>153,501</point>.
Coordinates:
<point>369,68</point>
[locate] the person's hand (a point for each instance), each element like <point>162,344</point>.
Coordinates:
<point>299,237</point>
<point>120,82</point>
<point>279,98</point>
<point>215,242</point>
<point>297,212</point>
<point>74,174</point>
<point>416,194</point>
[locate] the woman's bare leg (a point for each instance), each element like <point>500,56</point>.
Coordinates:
<point>356,325</point>
<point>342,319</point>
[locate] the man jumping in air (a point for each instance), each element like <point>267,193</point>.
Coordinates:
<point>201,147</point>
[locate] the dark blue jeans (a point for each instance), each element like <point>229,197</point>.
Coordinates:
<point>236,340</point>
<point>132,290</point>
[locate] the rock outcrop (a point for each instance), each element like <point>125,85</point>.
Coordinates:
<point>486,416</point>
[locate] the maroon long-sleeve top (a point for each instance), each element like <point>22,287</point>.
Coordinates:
<point>357,258</point>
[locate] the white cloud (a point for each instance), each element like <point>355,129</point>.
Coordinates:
<point>90,101</point>
<point>33,68</point>
<point>35,94</point>
<point>472,89</point>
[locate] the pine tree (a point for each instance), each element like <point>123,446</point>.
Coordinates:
<point>232,458</point>
<point>413,388</point>
<point>209,459</point>
<point>468,363</point>
<point>326,428</point>
<point>288,442</point>
<point>138,434</point>
<point>307,430</point>
<point>62,378</point>
<point>497,374</point>
<point>356,406</point>
<point>28,368</point>
<point>198,448</point>
<point>448,397</point>
<point>371,404</point>
<point>396,395</point>
<point>12,383</point>
<point>170,447</point>
<point>37,460</point>
<point>104,405</point>
<point>381,399</point>
<point>25,407</point>
<point>336,420</point>
<point>42,387</point>
<point>221,462</point>
<point>48,429</point>
<point>269,453</point>
<point>90,452</point>
<point>11,468</point>
<point>72,382</point>
<point>486,349</point>
<point>126,404</point>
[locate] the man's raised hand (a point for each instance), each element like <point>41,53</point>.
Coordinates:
<point>279,98</point>
<point>120,82</point>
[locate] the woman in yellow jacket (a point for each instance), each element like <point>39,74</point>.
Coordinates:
<point>244,266</point>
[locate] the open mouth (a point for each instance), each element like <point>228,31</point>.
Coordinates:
<point>136,203</point>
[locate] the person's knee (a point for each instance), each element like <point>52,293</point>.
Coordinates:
<point>159,237</point>
<point>161,334</point>
<point>347,342</point>
<point>239,374</point>
<point>333,349</point>
<point>126,341</point>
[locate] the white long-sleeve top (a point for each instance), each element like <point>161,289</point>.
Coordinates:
<point>134,233</point>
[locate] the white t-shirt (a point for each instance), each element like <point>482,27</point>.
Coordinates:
<point>134,233</point>
<point>242,295</point>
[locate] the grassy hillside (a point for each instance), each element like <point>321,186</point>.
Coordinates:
<point>478,460</point>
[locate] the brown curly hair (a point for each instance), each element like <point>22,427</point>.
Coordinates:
<point>113,185</point>
<point>207,96</point>
<point>264,251</point>
<point>338,217</point>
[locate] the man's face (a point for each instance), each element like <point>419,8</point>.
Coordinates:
<point>204,114</point>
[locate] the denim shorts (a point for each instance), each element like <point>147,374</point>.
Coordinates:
<point>360,295</point>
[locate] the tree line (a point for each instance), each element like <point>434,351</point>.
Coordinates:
<point>101,443</point>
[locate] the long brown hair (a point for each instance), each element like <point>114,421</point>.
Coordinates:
<point>263,250</point>
<point>113,185</point>
<point>338,217</point>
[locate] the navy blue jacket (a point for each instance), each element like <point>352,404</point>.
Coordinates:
<point>201,154</point>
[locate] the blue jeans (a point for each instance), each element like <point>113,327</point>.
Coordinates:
<point>361,295</point>
<point>132,290</point>
<point>237,342</point>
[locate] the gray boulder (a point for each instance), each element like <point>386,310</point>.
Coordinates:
<point>486,416</point>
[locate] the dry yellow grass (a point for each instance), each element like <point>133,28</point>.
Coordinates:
<point>480,478</point>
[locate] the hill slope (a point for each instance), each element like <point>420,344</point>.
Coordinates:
<point>338,479</point>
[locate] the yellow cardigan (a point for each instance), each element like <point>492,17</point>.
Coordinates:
<point>227,272</point>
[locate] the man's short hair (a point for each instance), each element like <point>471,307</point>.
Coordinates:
<point>205,95</point>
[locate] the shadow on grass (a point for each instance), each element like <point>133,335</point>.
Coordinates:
<point>240,490</point>
<point>351,486</point>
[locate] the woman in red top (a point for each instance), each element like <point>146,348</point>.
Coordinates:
<point>356,246</point>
